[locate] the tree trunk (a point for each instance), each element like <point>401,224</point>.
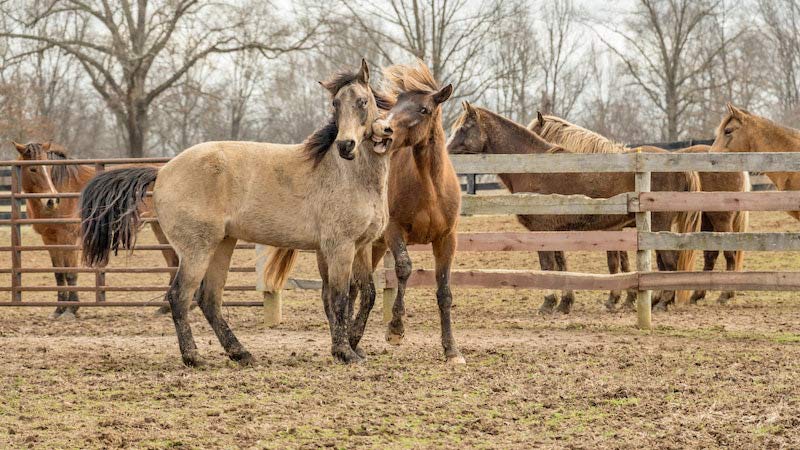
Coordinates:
<point>136,126</point>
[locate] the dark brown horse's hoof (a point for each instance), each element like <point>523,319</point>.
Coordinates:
<point>611,304</point>
<point>547,306</point>
<point>724,298</point>
<point>243,357</point>
<point>564,308</point>
<point>394,338</point>
<point>660,307</point>
<point>66,316</point>
<point>628,306</point>
<point>456,360</point>
<point>163,311</point>
<point>192,359</point>
<point>347,356</point>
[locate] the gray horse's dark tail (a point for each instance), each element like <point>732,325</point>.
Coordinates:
<point>110,211</point>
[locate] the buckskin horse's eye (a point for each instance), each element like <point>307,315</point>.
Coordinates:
<point>424,110</point>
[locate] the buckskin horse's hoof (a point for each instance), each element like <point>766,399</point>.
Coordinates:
<point>243,358</point>
<point>192,359</point>
<point>394,338</point>
<point>347,356</point>
<point>163,311</point>
<point>360,352</point>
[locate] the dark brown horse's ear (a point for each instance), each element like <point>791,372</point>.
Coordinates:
<point>46,146</point>
<point>469,109</point>
<point>20,147</point>
<point>540,117</point>
<point>443,94</point>
<point>363,74</point>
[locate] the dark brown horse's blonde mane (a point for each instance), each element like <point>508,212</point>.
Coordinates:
<point>400,78</point>
<point>577,138</point>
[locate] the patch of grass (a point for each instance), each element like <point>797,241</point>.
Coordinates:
<point>768,430</point>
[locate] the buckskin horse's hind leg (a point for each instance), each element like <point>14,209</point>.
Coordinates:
<point>443,251</point>
<point>210,297</point>
<point>191,271</point>
<point>730,266</point>
<point>630,297</point>
<point>169,256</point>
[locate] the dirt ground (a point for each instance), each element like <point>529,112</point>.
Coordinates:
<point>708,376</point>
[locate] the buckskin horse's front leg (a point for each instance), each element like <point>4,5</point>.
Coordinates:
<point>444,251</point>
<point>339,261</point>
<point>363,282</point>
<point>402,269</point>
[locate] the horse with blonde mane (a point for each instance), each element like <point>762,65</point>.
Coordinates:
<point>424,197</point>
<point>215,193</point>
<point>54,179</point>
<point>480,131</point>
<point>579,139</point>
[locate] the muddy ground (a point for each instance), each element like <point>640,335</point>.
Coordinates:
<point>707,376</point>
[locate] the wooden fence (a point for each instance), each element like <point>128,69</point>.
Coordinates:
<point>642,240</point>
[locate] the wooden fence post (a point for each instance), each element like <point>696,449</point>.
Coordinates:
<point>100,275</point>
<point>16,235</point>
<point>643,257</point>
<point>273,301</point>
<point>389,294</point>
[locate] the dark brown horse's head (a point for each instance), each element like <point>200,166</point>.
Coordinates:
<point>537,124</point>
<point>468,136</point>
<point>37,179</point>
<point>417,100</point>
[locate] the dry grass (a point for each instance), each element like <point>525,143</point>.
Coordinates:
<point>708,376</point>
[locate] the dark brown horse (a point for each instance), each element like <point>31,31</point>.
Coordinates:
<point>480,131</point>
<point>54,179</point>
<point>424,196</point>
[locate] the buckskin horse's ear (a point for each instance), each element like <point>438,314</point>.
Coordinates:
<point>363,74</point>
<point>20,147</point>
<point>443,94</point>
<point>540,117</point>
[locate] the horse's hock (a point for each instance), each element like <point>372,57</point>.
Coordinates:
<point>641,240</point>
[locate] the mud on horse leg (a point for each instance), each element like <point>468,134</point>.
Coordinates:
<point>444,251</point>
<point>547,261</point>
<point>402,268</point>
<point>567,297</point>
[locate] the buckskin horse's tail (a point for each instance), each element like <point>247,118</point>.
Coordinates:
<point>688,222</point>
<point>741,221</point>
<point>110,211</point>
<point>280,262</point>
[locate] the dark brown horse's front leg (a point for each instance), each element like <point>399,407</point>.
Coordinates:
<point>58,260</point>
<point>444,251</point>
<point>709,261</point>
<point>402,269</point>
<point>630,297</point>
<point>567,297</point>
<point>613,260</point>
<point>547,261</point>
<point>730,266</point>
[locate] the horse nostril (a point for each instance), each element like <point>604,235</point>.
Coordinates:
<point>346,146</point>
<point>50,203</point>
<point>388,130</point>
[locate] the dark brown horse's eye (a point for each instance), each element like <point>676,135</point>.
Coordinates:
<point>32,169</point>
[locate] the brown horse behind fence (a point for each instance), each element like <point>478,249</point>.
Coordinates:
<point>562,132</point>
<point>55,179</point>
<point>480,131</point>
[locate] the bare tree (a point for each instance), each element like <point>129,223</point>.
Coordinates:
<point>665,53</point>
<point>451,36</point>
<point>562,60</point>
<point>121,45</point>
<point>782,30</point>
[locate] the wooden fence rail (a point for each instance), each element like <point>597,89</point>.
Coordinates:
<point>638,204</point>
